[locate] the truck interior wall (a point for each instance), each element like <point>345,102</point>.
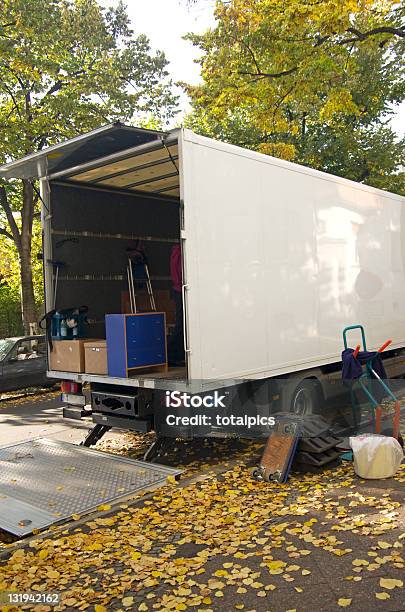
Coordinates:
<point>94,268</point>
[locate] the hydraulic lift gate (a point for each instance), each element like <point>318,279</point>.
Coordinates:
<point>46,481</point>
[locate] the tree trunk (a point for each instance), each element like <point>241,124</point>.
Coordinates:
<point>23,240</point>
<point>27,293</point>
<point>27,288</point>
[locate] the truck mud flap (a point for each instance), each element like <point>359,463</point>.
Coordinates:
<point>43,482</point>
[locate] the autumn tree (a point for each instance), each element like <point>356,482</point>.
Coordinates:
<point>313,82</point>
<point>66,66</point>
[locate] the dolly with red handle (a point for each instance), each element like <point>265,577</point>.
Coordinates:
<point>370,373</point>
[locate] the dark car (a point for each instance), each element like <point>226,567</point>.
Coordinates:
<point>22,362</point>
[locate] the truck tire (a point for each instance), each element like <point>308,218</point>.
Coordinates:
<point>306,398</point>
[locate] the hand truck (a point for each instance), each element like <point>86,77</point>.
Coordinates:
<point>138,273</point>
<point>367,381</point>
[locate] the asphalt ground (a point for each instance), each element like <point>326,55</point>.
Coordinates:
<point>220,540</point>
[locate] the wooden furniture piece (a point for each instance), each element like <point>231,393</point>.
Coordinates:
<point>134,342</point>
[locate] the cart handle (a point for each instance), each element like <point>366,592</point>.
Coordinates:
<point>363,335</point>
<point>384,346</point>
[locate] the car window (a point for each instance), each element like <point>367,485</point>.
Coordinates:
<point>25,349</point>
<point>41,347</point>
<point>5,346</point>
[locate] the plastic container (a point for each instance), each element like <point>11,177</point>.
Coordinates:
<point>376,456</point>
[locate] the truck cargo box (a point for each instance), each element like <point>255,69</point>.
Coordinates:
<point>277,258</point>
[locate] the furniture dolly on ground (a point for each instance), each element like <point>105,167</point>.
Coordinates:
<point>303,443</point>
<point>366,364</point>
<point>279,451</point>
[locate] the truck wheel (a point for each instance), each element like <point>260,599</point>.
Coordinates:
<point>306,399</point>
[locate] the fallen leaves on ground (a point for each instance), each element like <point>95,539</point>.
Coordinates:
<point>200,547</point>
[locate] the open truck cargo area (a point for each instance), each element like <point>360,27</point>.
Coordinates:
<point>276,260</point>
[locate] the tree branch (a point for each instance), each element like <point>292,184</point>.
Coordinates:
<point>60,83</point>
<point>10,93</point>
<point>270,75</point>
<point>15,232</point>
<point>3,26</point>
<point>380,30</point>
<point>5,233</point>
<point>15,74</point>
<point>252,56</point>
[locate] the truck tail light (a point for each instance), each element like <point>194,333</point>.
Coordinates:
<point>67,386</point>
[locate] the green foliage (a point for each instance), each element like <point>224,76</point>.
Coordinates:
<point>310,82</point>
<point>10,297</point>
<point>66,67</point>
<point>10,313</point>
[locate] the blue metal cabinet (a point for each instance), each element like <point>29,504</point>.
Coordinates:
<point>135,341</point>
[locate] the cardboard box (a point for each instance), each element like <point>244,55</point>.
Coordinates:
<point>95,357</point>
<point>163,299</point>
<point>67,355</point>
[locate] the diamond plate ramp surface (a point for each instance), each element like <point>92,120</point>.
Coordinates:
<point>45,481</point>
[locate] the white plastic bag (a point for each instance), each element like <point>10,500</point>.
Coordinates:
<point>376,456</point>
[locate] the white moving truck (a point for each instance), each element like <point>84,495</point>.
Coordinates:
<point>277,259</point>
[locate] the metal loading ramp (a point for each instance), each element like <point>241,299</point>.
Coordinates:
<point>46,481</point>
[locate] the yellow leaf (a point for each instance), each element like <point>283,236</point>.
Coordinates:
<point>384,545</point>
<point>261,593</point>
<point>359,562</point>
<point>219,594</point>
<point>390,583</point>
<point>215,585</point>
<point>184,592</point>
<point>53,574</point>
<point>76,517</point>
<point>305,572</point>
<point>181,606</point>
<point>43,553</point>
<point>142,607</point>
<point>98,608</point>
<point>207,601</point>
<point>128,601</point>
<point>239,606</point>
<point>343,603</point>
<point>171,479</point>
<point>276,564</point>
<point>382,595</point>
<point>298,589</point>
<point>136,555</point>
<point>104,507</point>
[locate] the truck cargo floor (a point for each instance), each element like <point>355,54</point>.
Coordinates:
<point>47,481</point>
